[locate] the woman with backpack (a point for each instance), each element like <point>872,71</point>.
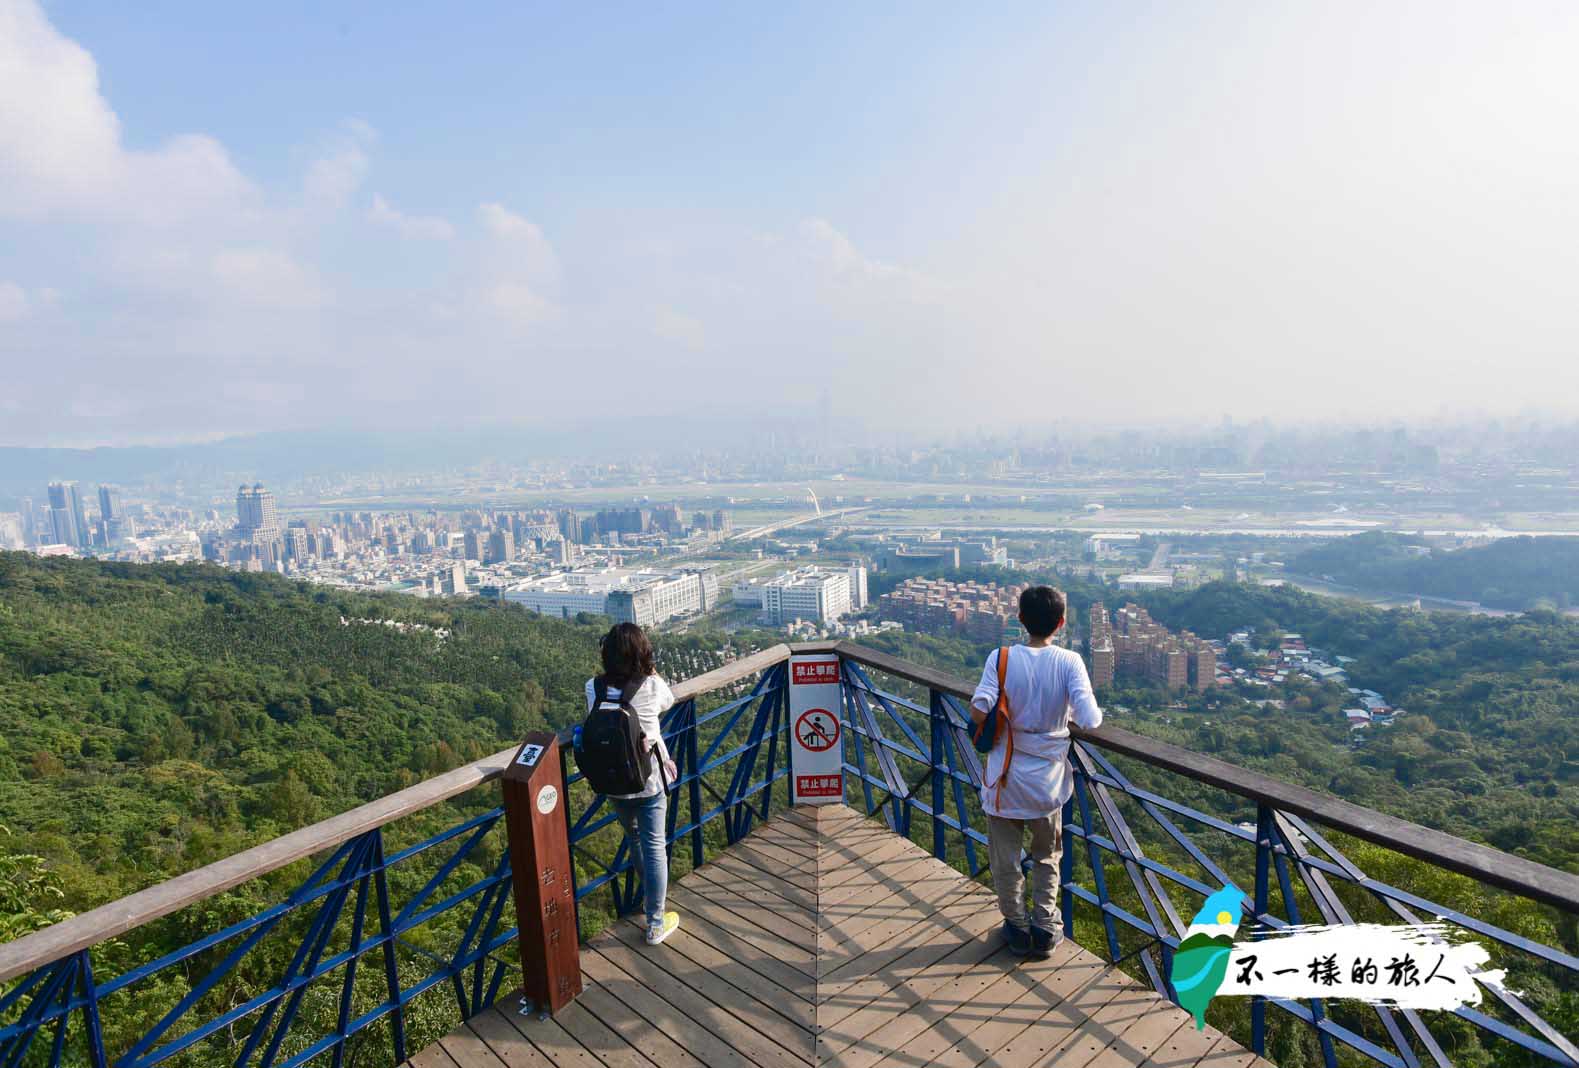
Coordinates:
<point>623,740</point>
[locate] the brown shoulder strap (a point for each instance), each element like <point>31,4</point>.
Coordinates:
<point>1003,675</point>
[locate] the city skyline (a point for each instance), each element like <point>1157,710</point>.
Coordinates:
<point>338,219</point>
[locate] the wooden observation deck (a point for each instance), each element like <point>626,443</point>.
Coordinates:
<point>823,938</point>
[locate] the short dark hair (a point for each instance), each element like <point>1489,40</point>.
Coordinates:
<point>1042,610</point>
<point>627,654</point>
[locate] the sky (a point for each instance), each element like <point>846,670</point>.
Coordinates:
<point>223,219</point>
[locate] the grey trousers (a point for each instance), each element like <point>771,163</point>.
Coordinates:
<point>1005,839</point>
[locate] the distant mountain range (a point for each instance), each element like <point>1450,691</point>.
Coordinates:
<point>279,457</point>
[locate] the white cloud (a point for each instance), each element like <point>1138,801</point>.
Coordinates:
<point>521,242</point>
<point>518,268</point>
<point>502,222</point>
<point>60,142</point>
<point>837,255</point>
<point>17,303</point>
<point>267,278</point>
<point>340,169</point>
<point>518,303</point>
<point>674,325</point>
<point>427,227</point>
<point>13,302</point>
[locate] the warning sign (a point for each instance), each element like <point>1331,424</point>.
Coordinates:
<point>817,729</point>
<point>816,754</point>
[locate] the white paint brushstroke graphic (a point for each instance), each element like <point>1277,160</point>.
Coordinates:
<point>1411,966</point>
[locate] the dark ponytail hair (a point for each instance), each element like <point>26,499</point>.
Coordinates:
<point>627,655</point>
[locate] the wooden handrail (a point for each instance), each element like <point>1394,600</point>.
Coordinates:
<point>1525,877</point>
<point>117,917</point>
<point>1491,866</point>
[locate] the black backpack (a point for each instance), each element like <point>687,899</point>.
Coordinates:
<point>610,752</point>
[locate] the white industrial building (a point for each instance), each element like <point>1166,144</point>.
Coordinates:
<point>818,594</point>
<point>643,597</point>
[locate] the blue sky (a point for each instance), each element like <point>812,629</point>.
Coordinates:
<point>223,218</point>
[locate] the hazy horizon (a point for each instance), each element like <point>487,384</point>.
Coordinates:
<point>219,222</point>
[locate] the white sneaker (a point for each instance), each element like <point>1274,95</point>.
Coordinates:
<point>657,932</point>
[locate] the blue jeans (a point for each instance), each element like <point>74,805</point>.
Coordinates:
<point>644,820</point>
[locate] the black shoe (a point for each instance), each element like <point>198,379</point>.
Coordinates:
<point>1044,942</point>
<point>1018,940</point>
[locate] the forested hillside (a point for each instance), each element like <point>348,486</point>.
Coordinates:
<point>155,718</point>
<point>1511,573</point>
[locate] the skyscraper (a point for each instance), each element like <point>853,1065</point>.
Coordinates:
<point>112,514</point>
<point>501,546</point>
<point>29,524</point>
<point>110,503</point>
<point>257,514</point>
<point>67,520</point>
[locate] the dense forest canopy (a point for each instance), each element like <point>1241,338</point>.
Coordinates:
<point>1511,573</point>
<point>155,718</point>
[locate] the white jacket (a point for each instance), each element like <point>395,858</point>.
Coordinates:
<point>1046,684</point>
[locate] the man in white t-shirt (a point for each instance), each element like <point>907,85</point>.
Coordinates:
<point>1047,687</point>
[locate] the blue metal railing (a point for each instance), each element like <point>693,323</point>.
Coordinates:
<point>885,742</point>
<point>356,876</point>
<point>907,760</point>
<point>351,907</point>
<point>695,743</point>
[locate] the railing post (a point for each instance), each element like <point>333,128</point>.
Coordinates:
<point>540,868</point>
<point>1263,871</point>
<point>939,725</point>
<point>1094,856</point>
<point>90,993</point>
<point>694,768</point>
<point>1066,870</point>
<point>780,702</point>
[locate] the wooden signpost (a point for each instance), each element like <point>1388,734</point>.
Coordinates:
<point>545,904</point>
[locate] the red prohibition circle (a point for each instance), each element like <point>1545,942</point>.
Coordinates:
<point>816,735</point>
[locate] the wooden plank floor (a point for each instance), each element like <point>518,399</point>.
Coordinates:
<point>823,939</point>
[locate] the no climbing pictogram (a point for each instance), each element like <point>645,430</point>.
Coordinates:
<point>817,729</point>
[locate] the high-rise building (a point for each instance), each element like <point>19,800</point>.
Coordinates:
<point>501,546</point>
<point>624,520</point>
<point>68,522</point>
<point>257,513</point>
<point>110,503</point>
<point>29,524</point>
<point>112,515</point>
<point>980,611</point>
<point>569,524</point>
<point>814,593</point>
<point>1100,648</point>
<point>1146,648</point>
<point>452,579</point>
<point>666,517</point>
<point>857,587</point>
<point>722,521</point>
<point>476,546</point>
